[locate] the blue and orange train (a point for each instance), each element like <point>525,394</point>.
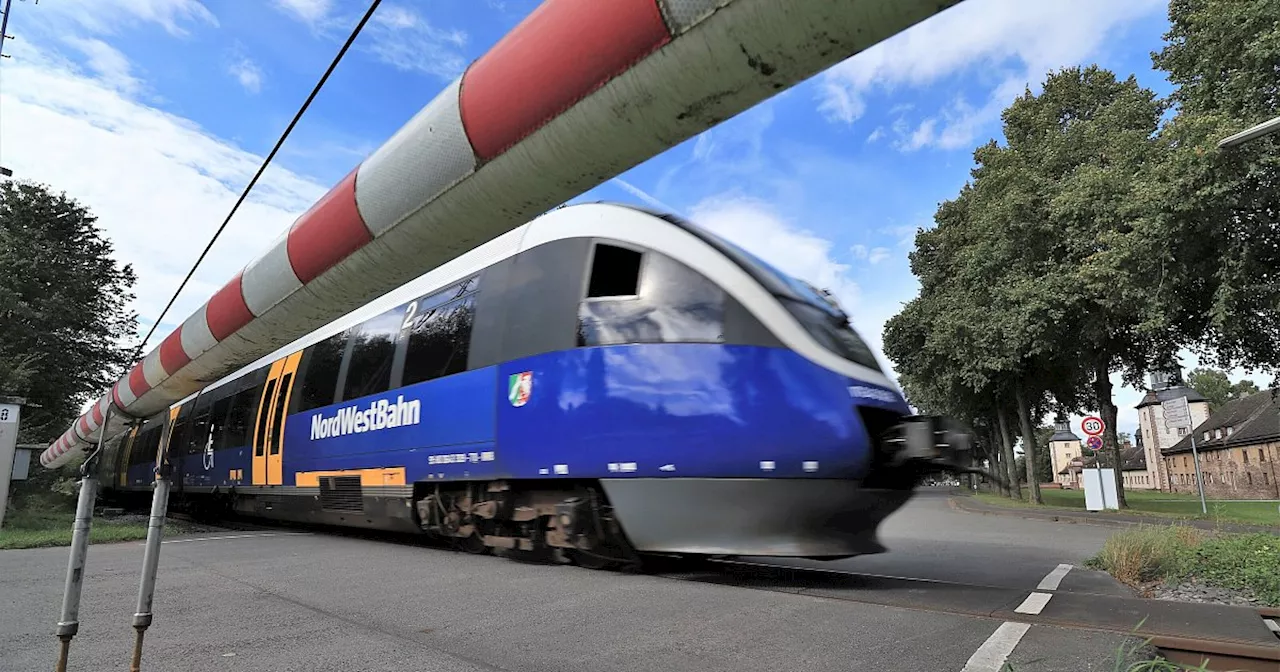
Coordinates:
<point>605,380</point>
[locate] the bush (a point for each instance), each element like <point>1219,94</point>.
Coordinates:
<point>1244,562</point>
<point>1146,554</point>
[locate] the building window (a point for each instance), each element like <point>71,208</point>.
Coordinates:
<point>1265,479</point>
<point>1245,454</point>
<point>1262,457</point>
<point>1217,433</point>
<point>1250,477</point>
<point>1206,435</point>
<point>1182,431</point>
<point>1231,430</point>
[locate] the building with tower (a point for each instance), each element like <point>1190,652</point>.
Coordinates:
<point>1064,446</point>
<point>1153,436</point>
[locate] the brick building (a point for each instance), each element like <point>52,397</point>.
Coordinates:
<point>1153,437</point>
<point>1239,448</point>
<point>1135,472</point>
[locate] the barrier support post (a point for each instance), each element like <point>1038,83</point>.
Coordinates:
<point>69,620</point>
<point>151,558</point>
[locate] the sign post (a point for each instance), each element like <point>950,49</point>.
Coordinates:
<point>1177,415</point>
<point>1093,427</point>
<point>9,413</point>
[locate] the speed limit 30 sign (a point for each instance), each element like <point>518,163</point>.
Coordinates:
<point>1093,425</point>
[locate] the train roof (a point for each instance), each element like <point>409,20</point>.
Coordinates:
<point>599,220</point>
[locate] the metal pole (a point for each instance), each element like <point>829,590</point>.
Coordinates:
<point>1195,458</point>
<point>4,24</point>
<point>151,556</point>
<point>1265,128</point>
<point>69,622</point>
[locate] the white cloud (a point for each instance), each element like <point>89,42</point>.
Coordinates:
<point>112,67</point>
<point>759,229</point>
<point>878,255</point>
<point>158,183</point>
<point>1013,42</point>
<point>107,17</point>
<point>641,194</point>
<point>312,12</point>
<point>404,39</point>
<point>875,135</point>
<point>247,73</point>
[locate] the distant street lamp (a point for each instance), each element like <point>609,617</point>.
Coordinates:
<point>1265,128</point>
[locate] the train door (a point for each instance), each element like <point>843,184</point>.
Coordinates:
<point>166,437</point>
<point>126,450</point>
<point>268,429</point>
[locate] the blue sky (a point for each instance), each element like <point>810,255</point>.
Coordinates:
<point>156,112</point>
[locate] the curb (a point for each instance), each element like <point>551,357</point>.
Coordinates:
<point>959,503</point>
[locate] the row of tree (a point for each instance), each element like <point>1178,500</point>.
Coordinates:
<point>1107,233</point>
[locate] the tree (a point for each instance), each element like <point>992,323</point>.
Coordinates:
<point>63,307</point>
<point>1213,216</point>
<point>1217,388</point>
<point>1044,463</point>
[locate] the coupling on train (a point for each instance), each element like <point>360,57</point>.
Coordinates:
<point>602,383</point>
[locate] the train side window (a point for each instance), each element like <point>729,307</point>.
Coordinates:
<point>218,419</point>
<point>235,432</point>
<point>439,340</point>
<point>675,304</point>
<point>144,451</point>
<point>178,434</point>
<point>373,352</point>
<point>198,432</point>
<point>615,272</point>
<point>320,379</point>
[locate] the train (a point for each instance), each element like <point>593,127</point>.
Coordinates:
<point>602,384</point>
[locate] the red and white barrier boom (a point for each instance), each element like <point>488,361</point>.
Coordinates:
<point>577,93</point>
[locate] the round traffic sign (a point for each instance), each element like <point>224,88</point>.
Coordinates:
<point>1094,443</point>
<point>1093,425</point>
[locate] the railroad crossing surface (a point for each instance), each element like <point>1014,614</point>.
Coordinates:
<point>958,591</point>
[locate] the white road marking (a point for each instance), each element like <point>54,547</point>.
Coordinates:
<point>991,655</point>
<point>237,536</point>
<point>1034,603</point>
<point>1051,581</point>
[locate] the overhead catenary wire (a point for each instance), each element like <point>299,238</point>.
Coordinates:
<point>355,32</point>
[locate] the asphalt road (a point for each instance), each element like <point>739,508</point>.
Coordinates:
<point>314,601</point>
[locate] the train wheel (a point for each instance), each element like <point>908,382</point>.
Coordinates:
<point>474,545</point>
<point>591,561</point>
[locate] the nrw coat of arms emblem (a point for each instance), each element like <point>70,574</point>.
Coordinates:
<point>520,388</point>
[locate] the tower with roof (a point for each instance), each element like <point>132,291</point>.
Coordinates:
<point>1165,385</point>
<point>1064,446</point>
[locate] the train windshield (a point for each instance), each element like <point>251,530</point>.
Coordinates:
<point>817,311</point>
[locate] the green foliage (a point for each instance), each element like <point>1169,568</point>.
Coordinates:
<point>1211,216</point>
<point>1217,388</point>
<point>1245,562</point>
<point>63,307</point>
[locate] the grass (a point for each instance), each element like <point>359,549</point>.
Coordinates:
<point>42,514</point>
<point>1159,504</point>
<point>1176,553</point>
